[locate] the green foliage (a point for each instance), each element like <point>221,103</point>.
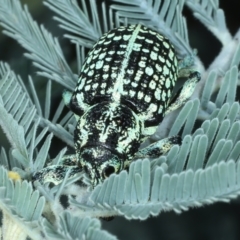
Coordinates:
<point>203,170</point>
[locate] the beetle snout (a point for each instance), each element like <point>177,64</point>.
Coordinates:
<point>99,163</point>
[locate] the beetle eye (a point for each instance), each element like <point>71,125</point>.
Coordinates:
<point>107,171</point>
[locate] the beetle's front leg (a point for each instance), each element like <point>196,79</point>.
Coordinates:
<point>158,148</point>
<point>56,173</point>
<point>187,90</point>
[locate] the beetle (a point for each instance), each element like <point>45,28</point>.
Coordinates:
<point>123,92</point>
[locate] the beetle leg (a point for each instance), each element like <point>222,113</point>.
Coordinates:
<point>186,91</point>
<point>68,160</point>
<point>148,131</point>
<point>56,173</point>
<point>75,103</point>
<point>158,148</point>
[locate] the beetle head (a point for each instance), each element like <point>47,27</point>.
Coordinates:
<point>99,163</point>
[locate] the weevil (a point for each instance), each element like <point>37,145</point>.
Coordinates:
<point>123,92</point>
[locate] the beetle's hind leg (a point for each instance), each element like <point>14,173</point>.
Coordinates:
<point>56,173</point>
<point>158,148</point>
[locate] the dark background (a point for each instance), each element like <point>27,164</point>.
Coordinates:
<point>219,221</point>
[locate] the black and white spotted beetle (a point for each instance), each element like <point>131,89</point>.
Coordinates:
<point>123,92</point>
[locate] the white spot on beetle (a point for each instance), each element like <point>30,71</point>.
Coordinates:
<point>175,61</point>
<point>136,47</point>
<point>167,83</point>
<point>158,67</point>
<point>111,52</point>
<point>165,70</point>
<point>145,50</point>
<point>140,95</point>
<point>99,64</point>
<point>149,71</point>
<point>151,109</point>
<point>81,83</point>
<point>163,96</point>
<point>107,42</point>
<point>149,41</point>
<point>166,45</point>
<point>147,98</point>
<point>168,63</point>
<point>100,41</point>
<point>94,86</point>
<point>105,76</point>
<point>91,67</point>
<point>171,54</point>
<point>134,84</point>
<point>89,59</point>
<point>153,55</point>
<point>140,37</point>
<point>132,93</point>
<point>87,88</point>
<point>152,32</point>
<point>155,77</point>
<point>161,58</point>
<point>157,94</point>
<point>90,73</point>
<point>143,30</point>
<point>106,68</point>
<point>130,71</point>
<point>96,52</point>
<point>160,37</point>
<point>152,84</point>
<point>110,35</point>
<point>113,75</point>
<point>102,55</point>
<point>160,109</point>
<point>142,64</point>
<point>117,38</point>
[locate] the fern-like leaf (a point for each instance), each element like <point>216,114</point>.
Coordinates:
<point>162,15</point>
<point>76,21</point>
<point>45,51</point>
<point>212,17</point>
<point>176,192</point>
<point>21,204</point>
<point>75,228</point>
